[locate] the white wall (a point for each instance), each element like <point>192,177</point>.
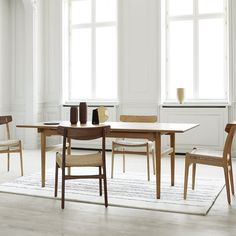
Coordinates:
<point>5,56</point>
<point>27,66</point>
<point>140,53</point>
<point>35,63</point>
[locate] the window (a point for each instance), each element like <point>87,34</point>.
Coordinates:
<point>92,50</point>
<point>196,49</point>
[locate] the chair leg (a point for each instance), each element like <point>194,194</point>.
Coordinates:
<point>100,181</point>
<point>148,166</point>
<point>193,176</point>
<point>153,162</point>
<point>186,178</point>
<point>63,189</point>
<point>105,185</point>
<point>8,162</point>
<point>21,160</point>
<point>56,181</point>
<point>123,160</point>
<point>68,153</point>
<point>112,160</point>
<point>231,177</point>
<point>227,183</point>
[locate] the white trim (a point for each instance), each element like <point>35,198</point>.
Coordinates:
<point>99,103</point>
<point>196,103</point>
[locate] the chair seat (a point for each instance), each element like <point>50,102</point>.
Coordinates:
<point>206,153</point>
<point>90,160</point>
<point>130,143</point>
<point>13,142</point>
<point>9,144</point>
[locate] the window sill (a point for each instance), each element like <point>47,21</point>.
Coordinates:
<point>196,104</point>
<point>92,103</point>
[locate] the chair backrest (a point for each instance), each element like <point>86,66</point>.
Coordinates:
<point>4,120</point>
<point>230,129</point>
<point>85,133</point>
<point>134,118</point>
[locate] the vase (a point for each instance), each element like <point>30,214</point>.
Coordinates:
<point>95,118</point>
<point>180,95</point>
<point>83,113</point>
<point>73,115</point>
<point>102,114</point>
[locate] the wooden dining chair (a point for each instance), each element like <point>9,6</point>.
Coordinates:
<point>9,145</point>
<point>213,158</point>
<point>123,146</point>
<point>82,160</point>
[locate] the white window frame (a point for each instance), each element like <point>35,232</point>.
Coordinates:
<point>195,19</point>
<point>93,26</point>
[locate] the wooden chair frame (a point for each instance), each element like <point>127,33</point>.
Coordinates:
<point>145,144</point>
<point>89,133</point>
<point>224,161</point>
<point>17,148</point>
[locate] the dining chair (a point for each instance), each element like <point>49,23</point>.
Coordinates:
<point>213,158</point>
<point>9,145</point>
<point>97,160</point>
<point>124,146</point>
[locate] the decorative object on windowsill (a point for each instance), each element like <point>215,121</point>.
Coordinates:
<point>73,115</point>
<point>103,114</point>
<point>180,95</point>
<point>95,118</point>
<point>83,112</point>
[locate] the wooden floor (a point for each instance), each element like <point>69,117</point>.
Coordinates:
<point>21,215</point>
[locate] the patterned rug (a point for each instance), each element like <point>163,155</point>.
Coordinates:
<point>130,190</point>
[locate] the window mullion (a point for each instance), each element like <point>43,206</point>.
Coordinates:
<point>226,42</point>
<point>195,51</point>
<point>93,49</point>
<point>69,49</point>
<point>167,51</point>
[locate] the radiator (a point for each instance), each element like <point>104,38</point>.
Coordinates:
<point>210,133</point>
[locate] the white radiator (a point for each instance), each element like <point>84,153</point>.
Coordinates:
<point>210,133</point>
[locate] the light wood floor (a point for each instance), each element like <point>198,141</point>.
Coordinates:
<point>21,215</point>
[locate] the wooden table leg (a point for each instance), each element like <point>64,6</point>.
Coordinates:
<point>158,165</point>
<point>172,144</point>
<point>43,158</point>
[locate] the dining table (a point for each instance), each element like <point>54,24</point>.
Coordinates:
<point>150,131</point>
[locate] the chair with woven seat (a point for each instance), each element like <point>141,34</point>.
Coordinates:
<point>82,160</point>
<point>124,146</point>
<point>213,158</point>
<point>9,145</point>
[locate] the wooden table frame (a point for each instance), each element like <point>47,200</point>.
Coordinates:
<point>125,130</point>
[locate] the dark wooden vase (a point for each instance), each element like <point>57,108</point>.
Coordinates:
<point>73,115</point>
<point>83,112</point>
<point>95,118</point>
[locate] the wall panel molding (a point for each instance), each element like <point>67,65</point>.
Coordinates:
<point>210,133</point>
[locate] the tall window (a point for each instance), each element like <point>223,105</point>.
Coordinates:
<point>92,50</point>
<point>196,52</point>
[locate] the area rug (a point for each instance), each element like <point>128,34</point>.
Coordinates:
<point>130,190</point>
